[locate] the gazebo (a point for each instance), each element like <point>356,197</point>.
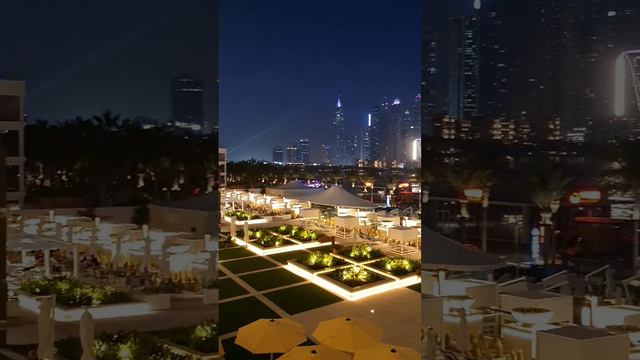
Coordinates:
<point>292,189</point>
<point>338,197</point>
<point>24,243</point>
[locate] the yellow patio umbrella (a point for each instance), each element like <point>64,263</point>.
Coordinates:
<point>387,352</point>
<point>348,334</point>
<point>269,336</point>
<point>315,352</point>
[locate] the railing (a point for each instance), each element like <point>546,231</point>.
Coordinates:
<point>595,272</point>
<point>560,283</point>
<point>513,281</point>
<point>625,284</point>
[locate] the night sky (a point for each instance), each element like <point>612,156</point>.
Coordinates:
<point>81,57</point>
<point>284,62</point>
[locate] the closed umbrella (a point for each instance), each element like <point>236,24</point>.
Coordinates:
<point>232,229</point>
<point>315,352</point>
<point>146,257</point>
<point>387,352</point>
<point>45,328</point>
<point>348,334</point>
<point>86,335</point>
<point>246,232</point>
<point>269,336</point>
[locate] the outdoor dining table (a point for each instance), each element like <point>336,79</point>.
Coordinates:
<point>403,235</point>
<point>342,223</point>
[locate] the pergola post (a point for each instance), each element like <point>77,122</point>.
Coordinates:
<point>76,262</point>
<point>47,263</point>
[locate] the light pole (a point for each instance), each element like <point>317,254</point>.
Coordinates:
<point>485,207</point>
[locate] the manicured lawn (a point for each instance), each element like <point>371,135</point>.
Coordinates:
<point>246,265</point>
<point>302,298</point>
<point>271,279</point>
<point>234,253</point>
<point>416,287</point>
<point>283,257</point>
<point>229,289</point>
<point>235,314</point>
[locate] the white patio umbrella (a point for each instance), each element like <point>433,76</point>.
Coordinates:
<point>87,335</point>
<point>232,229</point>
<point>117,257</point>
<point>45,328</point>
<point>146,257</point>
<point>463,339</point>
<point>432,344</point>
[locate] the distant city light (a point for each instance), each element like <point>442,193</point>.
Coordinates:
<point>369,122</point>
<point>477,4</point>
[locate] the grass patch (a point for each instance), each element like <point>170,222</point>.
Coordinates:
<point>416,287</point>
<point>246,265</point>
<point>302,298</point>
<point>271,279</point>
<point>235,314</point>
<point>230,288</point>
<point>234,253</point>
<point>283,257</point>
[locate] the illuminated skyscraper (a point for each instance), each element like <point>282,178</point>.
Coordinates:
<point>341,137</point>
<point>278,155</point>
<point>187,104</point>
<point>304,151</point>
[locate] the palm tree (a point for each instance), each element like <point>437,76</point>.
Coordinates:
<point>464,179</point>
<point>624,177</point>
<point>548,184</point>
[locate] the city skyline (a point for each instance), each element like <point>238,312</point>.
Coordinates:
<point>360,53</point>
<point>111,56</point>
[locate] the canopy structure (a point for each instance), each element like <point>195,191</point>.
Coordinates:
<point>207,202</point>
<point>27,242</point>
<point>441,253</point>
<point>337,196</point>
<point>292,189</point>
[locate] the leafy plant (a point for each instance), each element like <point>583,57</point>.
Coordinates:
<point>354,276</point>
<point>397,266</point>
<point>73,293</point>
<point>362,253</point>
<point>241,215</point>
<point>320,260</point>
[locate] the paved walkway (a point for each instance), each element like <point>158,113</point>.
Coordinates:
<point>390,310</point>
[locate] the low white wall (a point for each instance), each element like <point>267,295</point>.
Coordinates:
<point>119,214</point>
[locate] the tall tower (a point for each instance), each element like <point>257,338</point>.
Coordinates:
<point>341,136</point>
<point>187,103</point>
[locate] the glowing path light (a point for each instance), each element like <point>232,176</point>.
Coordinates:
<point>627,60</point>
<point>354,295</point>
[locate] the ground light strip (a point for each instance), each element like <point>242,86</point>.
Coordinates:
<point>276,250</point>
<point>353,295</point>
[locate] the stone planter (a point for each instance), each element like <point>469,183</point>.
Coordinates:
<point>210,296</point>
<point>158,301</point>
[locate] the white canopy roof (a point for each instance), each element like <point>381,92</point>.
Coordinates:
<point>440,252</point>
<point>27,242</point>
<point>337,196</point>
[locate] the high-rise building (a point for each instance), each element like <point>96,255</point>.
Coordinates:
<point>464,68</point>
<point>304,151</point>
<point>341,136</point>
<point>187,103</point>
<point>12,137</point>
<point>353,150</point>
<point>278,155</point>
<point>327,155</point>
<point>292,155</point>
